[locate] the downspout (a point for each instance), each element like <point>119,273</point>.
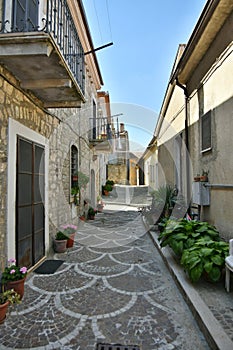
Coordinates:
<point>183,87</point>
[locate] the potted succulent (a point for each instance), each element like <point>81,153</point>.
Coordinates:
<point>91,213</point>
<point>7,297</point>
<point>60,242</point>
<point>13,277</point>
<point>69,231</point>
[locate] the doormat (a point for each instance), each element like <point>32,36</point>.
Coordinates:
<point>48,267</point>
<point>101,346</point>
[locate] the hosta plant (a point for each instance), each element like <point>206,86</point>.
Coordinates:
<point>182,234</point>
<point>205,257</point>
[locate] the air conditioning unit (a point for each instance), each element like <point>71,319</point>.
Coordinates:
<point>201,193</point>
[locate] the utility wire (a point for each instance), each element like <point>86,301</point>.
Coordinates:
<point>98,21</point>
<point>109,23</point>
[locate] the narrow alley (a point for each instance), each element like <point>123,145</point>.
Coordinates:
<point>112,288</point>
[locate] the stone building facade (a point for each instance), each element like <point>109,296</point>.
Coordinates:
<point>47,96</point>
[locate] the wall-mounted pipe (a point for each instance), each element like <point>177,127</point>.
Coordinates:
<point>221,186</point>
<point>183,87</point>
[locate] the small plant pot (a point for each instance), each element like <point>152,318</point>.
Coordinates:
<point>60,245</point>
<point>204,178</point>
<point>70,241</point>
<point>100,208</point>
<point>196,178</point>
<point>18,286</point>
<point>3,311</point>
<point>91,217</point>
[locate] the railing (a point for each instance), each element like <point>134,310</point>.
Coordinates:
<point>100,129</point>
<point>58,23</point>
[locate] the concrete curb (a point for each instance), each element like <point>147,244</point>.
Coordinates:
<point>210,327</point>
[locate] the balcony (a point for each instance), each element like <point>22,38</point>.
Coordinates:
<point>43,51</point>
<point>100,135</point>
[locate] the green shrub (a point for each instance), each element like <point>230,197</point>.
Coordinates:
<point>182,234</point>
<point>205,256</point>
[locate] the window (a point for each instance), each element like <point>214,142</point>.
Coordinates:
<point>25,15</point>
<point>206,132</point>
<point>74,166</point>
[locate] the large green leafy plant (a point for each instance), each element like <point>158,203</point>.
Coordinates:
<point>205,257</point>
<point>182,234</point>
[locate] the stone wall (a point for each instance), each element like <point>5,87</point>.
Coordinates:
<point>118,173</point>
<point>28,111</point>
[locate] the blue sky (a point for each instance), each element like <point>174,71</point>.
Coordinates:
<point>136,69</point>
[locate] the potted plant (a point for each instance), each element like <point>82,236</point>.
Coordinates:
<point>197,178</point>
<point>7,297</point>
<point>91,213</point>
<point>13,277</point>
<point>204,176</point>
<point>75,194</point>
<point>69,231</point>
<point>107,189</point>
<point>60,242</point>
<point>100,204</point>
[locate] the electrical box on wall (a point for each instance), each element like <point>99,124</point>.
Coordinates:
<point>201,193</point>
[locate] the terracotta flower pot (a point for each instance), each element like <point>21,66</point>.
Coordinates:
<point>18,286</point>
<point>197,178</point>
<point>70,241</point>
<point>204,178</point>
<point>3,311</point>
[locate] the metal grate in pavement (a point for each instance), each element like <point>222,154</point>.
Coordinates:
<point>101,346</point>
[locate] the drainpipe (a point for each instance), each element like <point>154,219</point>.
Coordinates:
<point>186,142</point>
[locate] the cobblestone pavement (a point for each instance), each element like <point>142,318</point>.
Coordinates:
<point>113,288</point>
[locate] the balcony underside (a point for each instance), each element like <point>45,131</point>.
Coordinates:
<point>101,146</point>
<point>35,60</point>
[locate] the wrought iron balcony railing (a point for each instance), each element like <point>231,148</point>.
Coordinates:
<point>100,130</point>
<point>24,16</point>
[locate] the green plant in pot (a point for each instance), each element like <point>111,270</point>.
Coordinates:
<point>91,213</point>
<point>69,231</point>
<point>13,277</point>
<point>7,297</point>
<point>107,189</point>
<point>205,257</point>
<point>60,242</point>
<point>75,194</point>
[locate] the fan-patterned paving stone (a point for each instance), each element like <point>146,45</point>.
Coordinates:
<point>135,256</point>
<point>103,267</point>
<point>116,294</point>
<point>151,327</point>
<point>135,281</point>
<point>95,301</point>
<point>81,255</point>
<point>44,326</point>
<point>61,282</point>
